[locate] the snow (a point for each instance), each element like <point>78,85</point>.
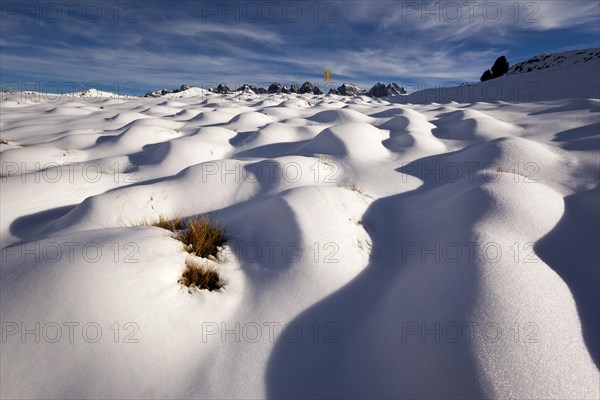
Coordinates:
<point>191,92</point>
<point>364,236</point>
<point>556,60</point>
<point>573,80</point>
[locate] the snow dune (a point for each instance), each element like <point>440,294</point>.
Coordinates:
<point>378,248</point>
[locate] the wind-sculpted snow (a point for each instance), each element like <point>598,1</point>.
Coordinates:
<point>375,249</point>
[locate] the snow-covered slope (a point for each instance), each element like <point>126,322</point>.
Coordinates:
<point>574,74</point>
<point>556,60</point>
<point>95,93</point>
<point>191,92</point>
<point>376,249</point>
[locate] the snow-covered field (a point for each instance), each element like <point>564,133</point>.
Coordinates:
<point>403,247</point>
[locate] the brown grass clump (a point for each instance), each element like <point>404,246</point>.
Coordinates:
<point>200,236</point>
<point>173,225</point>
<point>200,276</point>
<point>203,237</point>
<point>2,141</point>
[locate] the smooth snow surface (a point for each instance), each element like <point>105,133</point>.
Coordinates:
<point>377,249</point>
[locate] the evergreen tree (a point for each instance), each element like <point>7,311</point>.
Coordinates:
<point>500,67</point>
<point>487,75</point>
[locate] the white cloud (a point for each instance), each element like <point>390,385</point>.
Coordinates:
<point>488,20</point>
<point>194,28</point>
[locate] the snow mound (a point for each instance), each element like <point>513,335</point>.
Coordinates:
<point>472,125</point>
<point>249,119</point>
<point>339,116</point>
<point>68,111</point>
<point>412,132</point>
<point>356,140</point>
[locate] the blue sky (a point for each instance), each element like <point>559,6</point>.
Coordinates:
<point>135,46</point>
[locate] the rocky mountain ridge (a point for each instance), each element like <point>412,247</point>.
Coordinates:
<point>346,89</point>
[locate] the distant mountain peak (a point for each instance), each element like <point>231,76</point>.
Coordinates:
<point>380,89</point>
